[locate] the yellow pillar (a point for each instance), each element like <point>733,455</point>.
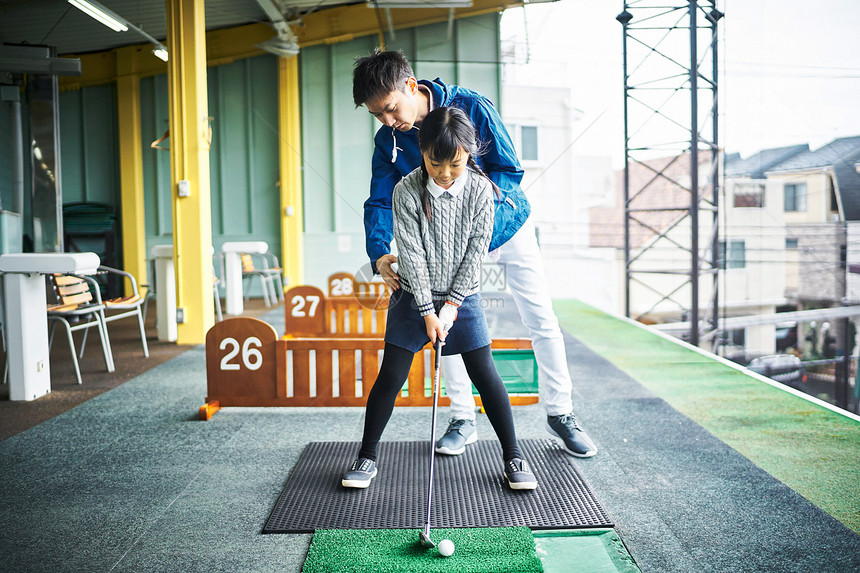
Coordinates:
<point>289,124</point>
<point>132,216</point>
<point>189,169</point>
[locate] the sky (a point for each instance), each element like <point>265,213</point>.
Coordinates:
<point>790,70</point>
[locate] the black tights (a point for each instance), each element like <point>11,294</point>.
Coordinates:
<point>392,375</point>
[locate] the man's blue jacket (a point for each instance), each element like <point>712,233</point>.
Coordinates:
<point>396,154</point>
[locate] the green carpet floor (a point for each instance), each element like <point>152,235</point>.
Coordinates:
<point>478,550</point>
<point>813,450</point>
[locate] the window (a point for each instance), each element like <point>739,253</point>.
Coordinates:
<point>736,257</point>
<point>795,196</point>
<point>529,142</point>
<point>791,242</point>
<point>749,195</point>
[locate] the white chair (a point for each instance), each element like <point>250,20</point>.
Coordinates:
<point>76,301</point>
<point>270,275</point>
<point>125,307</point>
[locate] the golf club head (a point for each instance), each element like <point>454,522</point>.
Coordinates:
<point>425,540</point>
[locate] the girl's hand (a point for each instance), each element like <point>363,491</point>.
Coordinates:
<point>434,328</point>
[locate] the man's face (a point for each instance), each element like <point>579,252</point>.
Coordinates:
<point>397,109</point>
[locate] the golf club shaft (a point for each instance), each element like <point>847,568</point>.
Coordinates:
<point>437,378</point>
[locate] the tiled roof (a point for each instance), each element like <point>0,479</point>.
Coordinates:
<point>822,157</point>
<point>755,166</point>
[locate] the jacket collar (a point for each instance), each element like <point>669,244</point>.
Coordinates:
<point>442,93</point>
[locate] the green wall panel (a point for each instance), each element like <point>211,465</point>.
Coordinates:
<point>89,145</point>
<point>316,97</point>
<point>154,116</point>
<point>337,138</point>
<point>7,153</point>
<point>243,159</point>
<point>264,149</point>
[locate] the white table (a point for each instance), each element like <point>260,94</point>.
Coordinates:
<point>233,271</point>
<point>26,315</point>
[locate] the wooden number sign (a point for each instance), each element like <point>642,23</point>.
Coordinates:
<point>341,285</point>
<point>241,361</point>
<point>305,310</point>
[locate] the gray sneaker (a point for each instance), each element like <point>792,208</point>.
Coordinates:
<point>576,441</point>
<point>459,434</point>
<point>359,473</point>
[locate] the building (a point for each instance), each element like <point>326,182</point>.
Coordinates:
<point>561,187</point>
<point>821,194</point>
<point>753,245</point>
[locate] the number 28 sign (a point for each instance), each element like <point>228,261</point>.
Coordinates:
<point>240,358</point>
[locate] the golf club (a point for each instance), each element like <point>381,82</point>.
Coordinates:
<point>424,536</point>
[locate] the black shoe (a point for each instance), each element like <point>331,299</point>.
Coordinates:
<point>576,441</point>
<point>359,473</point>
<point>519,475</point>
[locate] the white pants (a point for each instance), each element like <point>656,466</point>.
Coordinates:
<point>524,273</point>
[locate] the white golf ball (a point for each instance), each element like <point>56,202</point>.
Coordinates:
<point>446,548</point>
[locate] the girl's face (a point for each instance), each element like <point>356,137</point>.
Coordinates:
<point>445,172</point>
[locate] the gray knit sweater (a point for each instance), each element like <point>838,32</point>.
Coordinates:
<point>440,259</point>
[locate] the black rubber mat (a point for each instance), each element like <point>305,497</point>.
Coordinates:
<point>469,490</point>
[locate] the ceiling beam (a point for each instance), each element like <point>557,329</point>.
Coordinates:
<point>36,60</point>
<point>329,26</point>
<point>344,23</point>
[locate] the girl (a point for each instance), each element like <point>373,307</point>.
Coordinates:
<point>443,223</point>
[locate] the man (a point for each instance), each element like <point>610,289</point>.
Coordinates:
<point>385,84</point>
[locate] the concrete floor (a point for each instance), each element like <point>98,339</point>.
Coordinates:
<point>130,480</point>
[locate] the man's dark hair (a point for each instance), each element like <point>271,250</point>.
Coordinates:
<point>378,75</point>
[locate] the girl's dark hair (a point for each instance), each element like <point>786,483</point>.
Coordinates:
<point>443,132</point>
<point>378,75</point>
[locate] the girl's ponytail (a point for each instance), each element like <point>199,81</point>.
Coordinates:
<point>425,194</point>
<point>474,165</point>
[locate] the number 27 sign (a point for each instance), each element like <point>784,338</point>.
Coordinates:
<point>305,311</point>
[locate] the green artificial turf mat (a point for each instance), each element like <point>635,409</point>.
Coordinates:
<point>586,550</point>
<point>478,550</point>
<point>813,450</point>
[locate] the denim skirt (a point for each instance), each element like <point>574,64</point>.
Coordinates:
<point>405,328</point>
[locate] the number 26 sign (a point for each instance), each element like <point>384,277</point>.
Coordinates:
<point>240,358</point>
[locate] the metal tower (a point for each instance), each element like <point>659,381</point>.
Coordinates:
<point>671,184</point>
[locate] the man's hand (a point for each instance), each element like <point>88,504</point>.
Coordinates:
<point>448,314</point>
<point>434,328</point>
<point>383,265</point>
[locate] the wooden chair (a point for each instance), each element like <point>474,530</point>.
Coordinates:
<point>269,273</point>
<point>76,302</point>
<point>125,307</point>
